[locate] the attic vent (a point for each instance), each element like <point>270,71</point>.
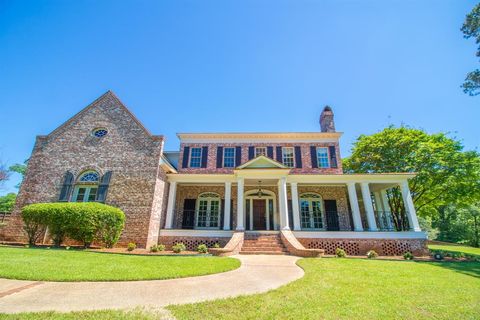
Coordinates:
<point>100,132</point>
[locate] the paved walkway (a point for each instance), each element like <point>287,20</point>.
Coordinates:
<point>258,273</point>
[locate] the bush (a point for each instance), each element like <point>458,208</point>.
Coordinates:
<point>154,248</point>
<point>131,246</point>
<point>202,248</point>
<point>216,245</point>
<point>161,247</point>
<point>372,254</point>
<point>84,222</point>
<point>408,256</point>
<point>340,253</point>
<point>179,247</point>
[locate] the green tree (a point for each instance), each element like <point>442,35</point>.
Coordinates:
<point>20,169</point>
<point>7,202</point>
<point>459,224</point>
<point>446,173</point>
<point>471,28</point>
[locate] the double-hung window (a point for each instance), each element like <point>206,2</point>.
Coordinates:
<point>228,157</point>
<point>288,157</point>
<point>196,158</point>
<point>322,158</point>
<point>260,151</point>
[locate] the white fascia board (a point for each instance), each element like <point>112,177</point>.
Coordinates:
<point>360,234</point>
<point>346,178</point>
<point>260,137</point>
<point>201,178</point>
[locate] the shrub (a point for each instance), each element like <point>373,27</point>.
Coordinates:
<point>179,247</point>
<point>154,248</point>
<point>131,246</point>
<point>408,256</point>
<point>372,254</point>
<point>216,245</point>
<point>340,253</point>
<point>161,247</point>
<point>202,248</point>
<point>84,222</point>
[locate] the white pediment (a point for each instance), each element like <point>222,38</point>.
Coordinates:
<point>262,162</point>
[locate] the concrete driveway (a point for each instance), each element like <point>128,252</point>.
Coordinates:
<point>258,273</point>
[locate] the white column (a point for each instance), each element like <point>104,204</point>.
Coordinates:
<point>367,202</point>
<point>283,202</point>
<point>240,213</point>
<point>227,209</point>
<point>172,191</point>
<point>408,203</point>
<point>352,195</point>
<point>295,206</point>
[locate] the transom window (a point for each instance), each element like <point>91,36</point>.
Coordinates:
<point>322,158</point>
<point>311,211</point>
<point>100,132</point>
<point>208,211</point>
<point>196,158</point>
<point>260,151</point>
<point>87,187</point>
<point>228,157</point>
<point>288,157</point>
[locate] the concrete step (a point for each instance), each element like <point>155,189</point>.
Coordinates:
<point>263,248</point>
<point>265,252</point>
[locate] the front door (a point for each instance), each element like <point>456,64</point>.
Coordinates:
<point>332,215</point>
<point>259,210</point>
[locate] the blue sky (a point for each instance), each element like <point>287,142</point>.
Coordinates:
<point>270,65</point>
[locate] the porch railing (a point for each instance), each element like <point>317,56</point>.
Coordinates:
<point>384,220</point>
<point>201,219</point>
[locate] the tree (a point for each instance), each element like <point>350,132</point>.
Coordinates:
<point>3,174</point>
<point>7,202</point>
<point>20,169</point>
<point>471,28</point>
<point>445,173</point>
<point>457,224</point>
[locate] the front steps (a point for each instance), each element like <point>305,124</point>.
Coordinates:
<point>261,243</point>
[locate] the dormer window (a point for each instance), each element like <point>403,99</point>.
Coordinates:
<point>196,158</point>
<point>229,157</point>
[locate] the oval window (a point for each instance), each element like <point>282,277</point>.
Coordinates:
<point>100,132</point>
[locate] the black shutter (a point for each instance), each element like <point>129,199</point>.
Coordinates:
<point>313,154</point>
<point>186,153</point>
<point>222,215</point>
<point>270,152</point>
<point>238,156</point>
<point>66,187</point>
<point>103,187</point>
<point>279,154</point>
<point>333,156</point>
<point>219,157</point>
<point>204,156</point>
<point>188,213</point>
<point>231,214</point>
<point>298,157</point>
<point>290,214</point>
<point>251,153</point>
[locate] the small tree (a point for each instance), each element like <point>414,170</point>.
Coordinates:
<point>471,29</point>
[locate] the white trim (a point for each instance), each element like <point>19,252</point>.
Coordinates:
<point>360,235</point>
<point>195,233</point>
<point>190,157</point>
<point>251,195</point>
<point>259,137</point>
<point>292,154</point>
<point>234,157</point>
<point>275,164</point>
<point>208,210</point>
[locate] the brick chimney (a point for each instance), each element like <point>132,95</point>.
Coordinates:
<point>326,120</point>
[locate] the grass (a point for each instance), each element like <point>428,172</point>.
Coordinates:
<point>75,265</point>
<point>455,248</point>
<point>335,288</point>
<point>136,314</point>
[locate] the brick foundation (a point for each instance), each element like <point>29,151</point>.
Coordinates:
<point>192,242</point>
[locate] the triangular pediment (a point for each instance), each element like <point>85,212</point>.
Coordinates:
<point>262,162</point>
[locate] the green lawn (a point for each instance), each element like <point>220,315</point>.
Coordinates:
<point>136,314</point>
<point>454,248</point>
<point>72,265</point>
<point>358,289</point>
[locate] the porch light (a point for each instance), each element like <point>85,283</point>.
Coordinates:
<point>260,193</point>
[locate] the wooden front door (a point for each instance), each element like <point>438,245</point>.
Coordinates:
<point>259,210</point>
<point>332,215</point>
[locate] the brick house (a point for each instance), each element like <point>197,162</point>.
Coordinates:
<point>248,192</point>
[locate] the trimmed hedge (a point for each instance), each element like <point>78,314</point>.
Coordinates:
<point>83,221</point>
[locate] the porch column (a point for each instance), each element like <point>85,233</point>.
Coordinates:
<point>172,192</point>
<point>352,195</point>
<point>295,206</point>
<point>283,203</point>
<point>367,202</point>
<point>240,213</point>
<point>226,209</point>
<point>408,203</point>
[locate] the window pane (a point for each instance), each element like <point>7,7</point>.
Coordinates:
<point>92,195</point>
<point>260,151</point>
<point>229,157</point>
<point>214,213</point>
<point>317,214</point>
<point>305,214</point>
<point>81,194</point>
<point>196,158</point>
<point>322,157</point>
<point>202,213</point>
<point>287,156</point>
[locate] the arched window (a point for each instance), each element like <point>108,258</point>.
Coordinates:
<point>208,211</point>
<point>311,211</point>
<point>86,187</point>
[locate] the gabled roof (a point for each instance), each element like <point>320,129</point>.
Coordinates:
<point>262,162</point>
<point>108,94</point>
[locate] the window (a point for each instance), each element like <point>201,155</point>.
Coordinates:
<point>322,158</point>
<point>100,132</point>
<point>208,211</point>
<point>86,187</point>
<point>196,158</point>
<point>260,151</point>
<point>287,157</point>
<point>229,157</point>
<point>311,211</point>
